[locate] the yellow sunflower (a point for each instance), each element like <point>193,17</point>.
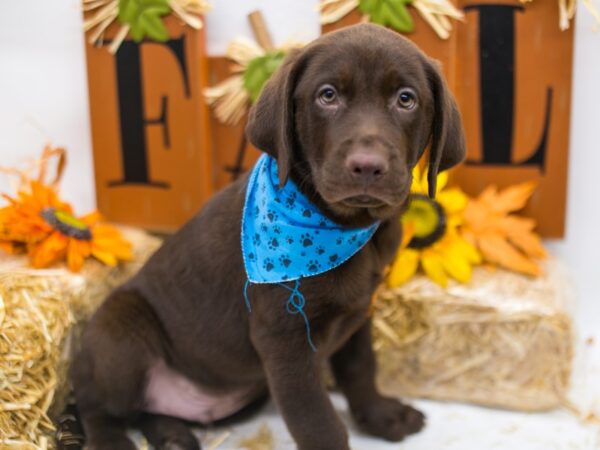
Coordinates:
<point>39,223</point>
<point>431,239</point>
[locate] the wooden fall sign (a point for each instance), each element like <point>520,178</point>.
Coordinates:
<point>151,128</point>
<point>509,67</point>
<point>232,153</point>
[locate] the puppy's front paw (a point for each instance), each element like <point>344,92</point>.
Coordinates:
<point>174,445</point>
<point>389,419</point>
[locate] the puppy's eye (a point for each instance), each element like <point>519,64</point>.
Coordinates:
<point>327,95</point>
<point>406,99</point>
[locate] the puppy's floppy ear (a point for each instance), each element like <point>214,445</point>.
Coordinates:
<point>447,134</point>
<point>271,122</point>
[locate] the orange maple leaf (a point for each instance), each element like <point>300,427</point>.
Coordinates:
<point>504,239</point>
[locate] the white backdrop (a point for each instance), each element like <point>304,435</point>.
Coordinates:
<point>43,98</point>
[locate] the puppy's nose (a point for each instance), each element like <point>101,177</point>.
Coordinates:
<point>366,167</point>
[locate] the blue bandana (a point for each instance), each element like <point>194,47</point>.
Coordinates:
<point>286,238</point>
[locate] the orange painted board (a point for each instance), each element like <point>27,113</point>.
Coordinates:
<point>151,128</point>
<point>232,155</point>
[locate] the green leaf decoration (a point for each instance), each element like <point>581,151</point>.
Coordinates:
<point>389,13</point>
<point>144,18</point>
<point>259,70</point>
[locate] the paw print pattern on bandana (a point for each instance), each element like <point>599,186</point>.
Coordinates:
<point>285,260</point>
<point>273,243</point>
<point>285,237</point>
<point>268,264</point>
<point>313,266</point>
<point>290,200</point>
<point>306,239</point>
<point>272,216</point>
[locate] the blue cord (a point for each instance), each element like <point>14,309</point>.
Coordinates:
<point>246,299</point>
<point>295,305</point>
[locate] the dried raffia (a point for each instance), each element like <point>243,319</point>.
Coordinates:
<point>503,340</point>
<point>41,312</point>
<point>102,13</point>
<point>593,10</point>
<point>333,10</point>
<point>229,99</point>
<point>435,12</point>
<point>566,12</point>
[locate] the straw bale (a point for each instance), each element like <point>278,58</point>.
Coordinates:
<point>41,314</point>
<point>504,340</point>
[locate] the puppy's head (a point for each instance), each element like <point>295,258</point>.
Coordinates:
<point>349,116</point>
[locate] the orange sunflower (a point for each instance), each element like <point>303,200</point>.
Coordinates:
<point>39,223</point>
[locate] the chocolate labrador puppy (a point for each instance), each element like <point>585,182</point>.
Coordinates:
<point>346,118</point>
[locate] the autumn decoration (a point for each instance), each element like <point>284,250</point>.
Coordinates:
<point>446,236</point>
<point>37,222</point>
<point>432,240</point>
<point>437,13</point>
<point>253,64</point>
<point>138,18</point>
<point>502,237</point>
<point>566,11</point>
<point>395,13</point>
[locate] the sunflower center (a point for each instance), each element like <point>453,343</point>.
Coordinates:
<point>67,224</point>
<point>428,218</point>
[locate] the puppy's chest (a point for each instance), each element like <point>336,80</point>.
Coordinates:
<point>333,334</point>
<point>345,299</point>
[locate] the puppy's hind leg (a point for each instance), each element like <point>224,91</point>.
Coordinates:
<point>167,433</point>
<point>109,372</point>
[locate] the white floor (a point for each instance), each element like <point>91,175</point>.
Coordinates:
<point>453,426</point>
<point>449,426</point>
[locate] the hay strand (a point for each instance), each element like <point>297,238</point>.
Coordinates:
<point>262,440</point>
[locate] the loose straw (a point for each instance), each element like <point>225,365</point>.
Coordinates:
<point>104,12</point>
<point>435,12</point>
